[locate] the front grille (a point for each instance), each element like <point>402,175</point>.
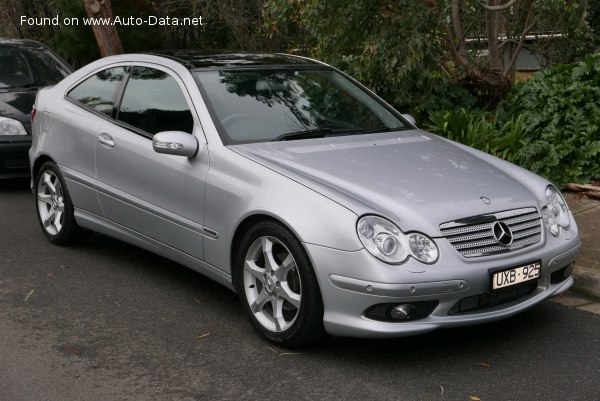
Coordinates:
<point>473,236</point>
<point>496,297</point>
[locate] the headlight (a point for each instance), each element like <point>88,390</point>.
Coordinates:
<point>8,126</point>
<point>387,243</point>
<point>556,214</point>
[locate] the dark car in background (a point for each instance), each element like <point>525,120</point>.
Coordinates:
<point>25,67</point>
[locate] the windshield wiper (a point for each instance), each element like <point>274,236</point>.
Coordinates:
<point>326,131</point>
<point>383,129</point>
<point>309,133</point>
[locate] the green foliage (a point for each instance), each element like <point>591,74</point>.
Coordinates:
<point>561,113</point>
<point>401,49</point>
<point>76,43</point>
<point>593,18</point>
<point>549,125</point>
<point>392,47</point>
<point>481,130</point>
<point>567,18</point>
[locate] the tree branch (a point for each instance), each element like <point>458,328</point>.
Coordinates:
<point>449,42</point>
<point>492,28</point>
<point>528,27</point>
<point>499,7</point>
<point>507,41</point>
<point>458,30</point>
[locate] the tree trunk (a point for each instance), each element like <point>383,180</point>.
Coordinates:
<point>492,23</point>
<point>107,36</point>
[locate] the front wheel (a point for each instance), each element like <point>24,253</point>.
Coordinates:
<point>277,286</point>
<point>54,207</point>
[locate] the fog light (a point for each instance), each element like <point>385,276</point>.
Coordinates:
<point>561,274</point>
<point>401,312</point>
<point>568,271</point>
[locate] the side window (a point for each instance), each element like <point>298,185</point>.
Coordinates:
<point>98,91</point>
<point>153,102</point>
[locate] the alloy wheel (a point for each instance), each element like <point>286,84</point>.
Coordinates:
<point>51,206</point>
<point>272,284</point>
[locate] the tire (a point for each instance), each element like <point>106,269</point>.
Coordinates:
<point>277,286</point>
<point>54,207</point>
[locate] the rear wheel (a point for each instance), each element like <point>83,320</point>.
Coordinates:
<point>54,207</point>
<point>277,286</point>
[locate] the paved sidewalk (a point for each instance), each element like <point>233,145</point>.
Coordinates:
<point>587,267</point>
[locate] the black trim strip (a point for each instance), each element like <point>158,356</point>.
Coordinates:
<point>118,96</point>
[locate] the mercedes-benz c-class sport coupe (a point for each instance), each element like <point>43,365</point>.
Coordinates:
<point>25,66</point>
<point>290,183</point>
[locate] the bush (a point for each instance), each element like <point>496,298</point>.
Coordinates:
<point>549,124</point>
<point>481,130</point>
<point>561,118</point>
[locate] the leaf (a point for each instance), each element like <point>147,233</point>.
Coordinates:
<point>474,398</point>
<point>71,349</point>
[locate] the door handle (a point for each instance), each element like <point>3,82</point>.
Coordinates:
<point>106,140</point>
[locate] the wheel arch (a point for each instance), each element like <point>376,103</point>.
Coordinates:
<point>38,163</point>
<point>243,227</point>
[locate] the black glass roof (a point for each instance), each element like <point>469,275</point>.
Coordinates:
<point>194,59</point>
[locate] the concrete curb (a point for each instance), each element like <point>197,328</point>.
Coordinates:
<point>587,281</point>
<point>586,272</point>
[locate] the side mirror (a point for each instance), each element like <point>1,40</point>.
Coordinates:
<point>410,119</point>
<point>176,143</point>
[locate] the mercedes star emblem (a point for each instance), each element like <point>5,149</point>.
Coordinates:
<point>502,233</point>
<point>485,200</point>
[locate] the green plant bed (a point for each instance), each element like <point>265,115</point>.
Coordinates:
<point>561,120</point>
<point>481,130</point>
<point>549,124</point>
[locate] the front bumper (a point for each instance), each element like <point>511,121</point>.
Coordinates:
<point>14,160</point>
<point>352,282</point>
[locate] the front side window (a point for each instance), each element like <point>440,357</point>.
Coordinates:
<point>258,105</point>
<point>153,102</point>
<point>98,92</point>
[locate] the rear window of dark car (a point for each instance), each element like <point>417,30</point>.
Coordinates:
<point>29,66</point>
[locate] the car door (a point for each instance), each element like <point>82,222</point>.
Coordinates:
<point>79,121</point>
<point>156,195</point>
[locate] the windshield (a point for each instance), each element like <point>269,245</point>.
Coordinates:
<point>253,105</point>
<point>29,66</point>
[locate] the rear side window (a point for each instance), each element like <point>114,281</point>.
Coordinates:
<point>153,102</point>
<point>98,92</point>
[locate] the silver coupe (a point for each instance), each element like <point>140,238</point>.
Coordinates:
<point>292,184</point>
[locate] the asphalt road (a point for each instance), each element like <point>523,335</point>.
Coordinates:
<point>107,321</point>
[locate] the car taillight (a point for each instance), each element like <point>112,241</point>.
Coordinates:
<point>32,114</point>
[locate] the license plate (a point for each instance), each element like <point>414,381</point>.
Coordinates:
<point>516,275</point>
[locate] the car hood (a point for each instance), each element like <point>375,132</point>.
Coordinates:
<point>17,105</point>
<point>413,177</point>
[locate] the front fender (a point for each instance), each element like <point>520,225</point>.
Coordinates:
<point>238,188</point>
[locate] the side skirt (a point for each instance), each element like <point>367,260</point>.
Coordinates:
<point>103,226</point>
